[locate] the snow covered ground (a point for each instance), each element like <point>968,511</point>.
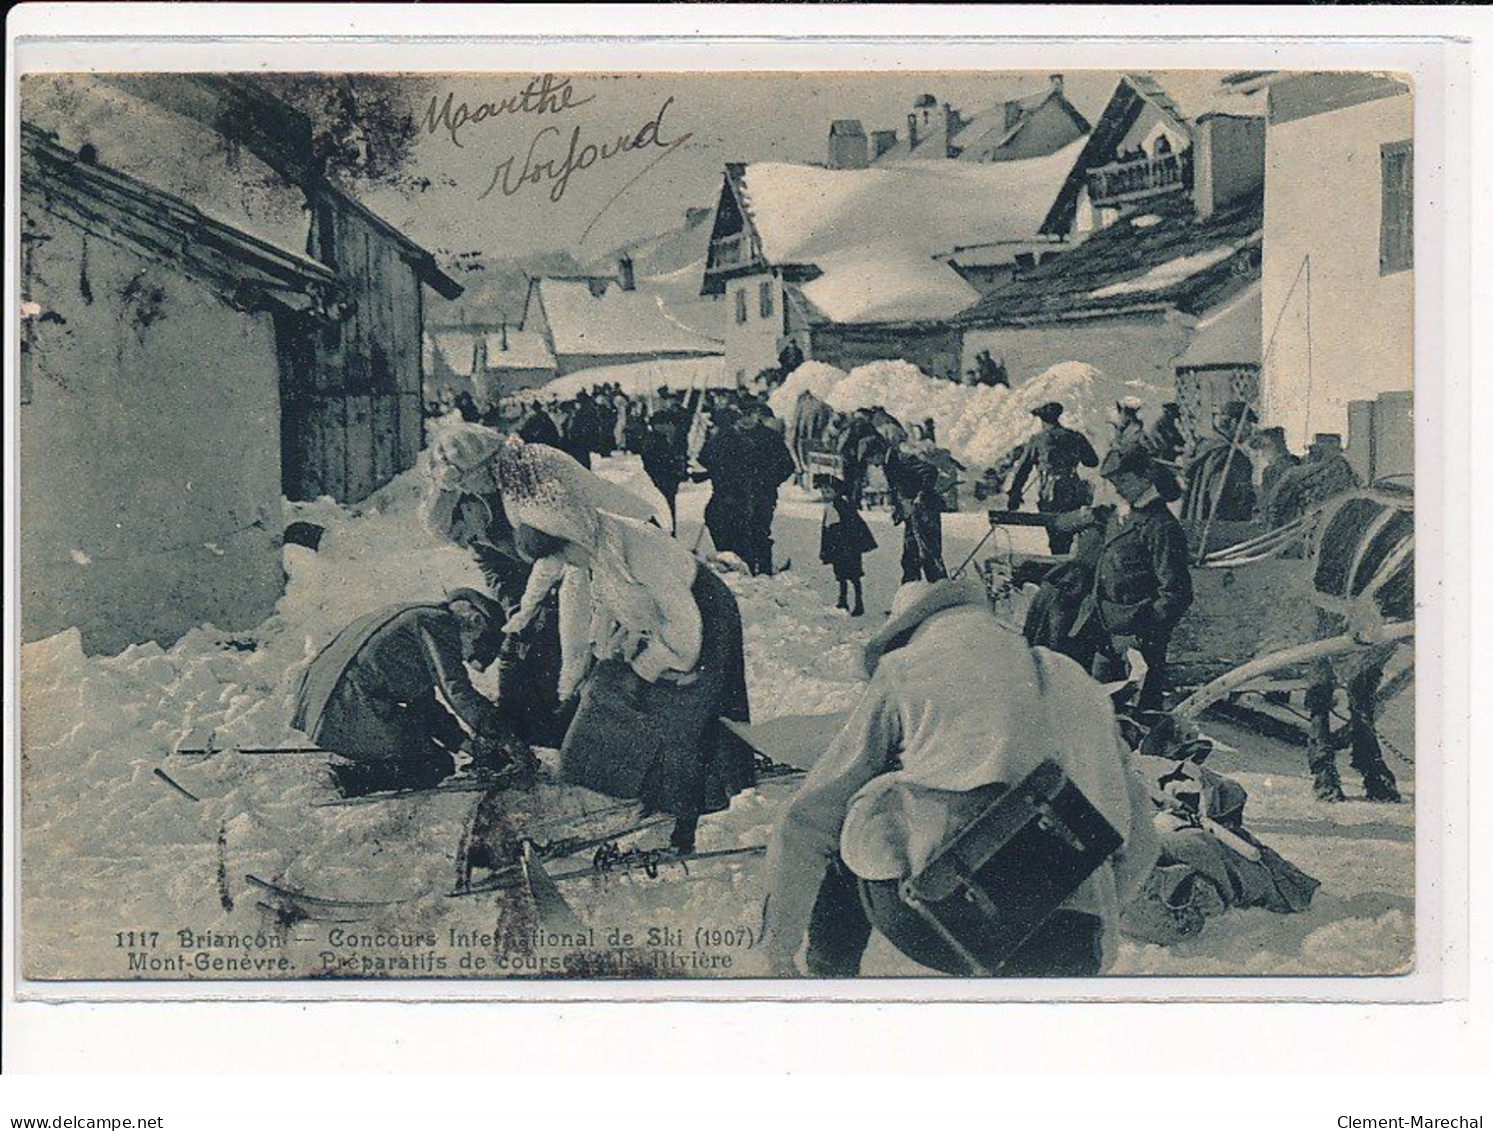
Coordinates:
<point>109,846</point>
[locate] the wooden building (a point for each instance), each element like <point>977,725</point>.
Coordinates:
<point>351,416</point>
<point>353,394</point>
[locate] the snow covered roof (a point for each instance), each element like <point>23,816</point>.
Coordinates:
<point>525,349</point>
<point>1164,257</point>
<point>455,349</point>
<point>873,233</point>
<point>993,128</point>
<point>459,346</point>
<point>1228,336</point>
<point>615,321</point>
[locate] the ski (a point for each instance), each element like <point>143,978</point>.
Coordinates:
<point>450,785</point>
<point>629,862</point>
<point>558,850</point>
<point>319,907</point>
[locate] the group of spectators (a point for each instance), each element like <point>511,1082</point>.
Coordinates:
<point>1126,581</point>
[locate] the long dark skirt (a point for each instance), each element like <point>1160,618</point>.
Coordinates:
<point>660,742</point>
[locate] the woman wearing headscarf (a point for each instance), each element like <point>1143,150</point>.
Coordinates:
<point>651,640</point>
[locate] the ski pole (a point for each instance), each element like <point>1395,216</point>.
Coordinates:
<point>204,751</point>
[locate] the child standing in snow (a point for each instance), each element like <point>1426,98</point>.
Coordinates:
<point>843,538</point>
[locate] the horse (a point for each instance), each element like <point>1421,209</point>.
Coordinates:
<point>811,419</point>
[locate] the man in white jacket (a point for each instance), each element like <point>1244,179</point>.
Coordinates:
<point>956,702</point>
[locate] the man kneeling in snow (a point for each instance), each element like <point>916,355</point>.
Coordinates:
<point>956,703</point>
<point>373,696</point>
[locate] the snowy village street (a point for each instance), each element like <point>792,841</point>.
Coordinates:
<point>358,641</point>
<point>135,850</point>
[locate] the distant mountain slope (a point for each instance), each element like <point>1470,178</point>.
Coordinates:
<point>665,253</point>
<point>495,288</point>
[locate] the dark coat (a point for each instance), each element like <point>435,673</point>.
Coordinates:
<point>661,742</point>
<point>1055,454</point>
<point>539,428</point>
<point>1219,486</point>
<point>771,463</point>
<point>844,540</point>
<point>370,695</point>
<point>726,458</point>
<point>1142,580</point>
<point>666,449</point>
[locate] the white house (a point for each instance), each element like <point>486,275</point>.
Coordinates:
<point>1337,288</point>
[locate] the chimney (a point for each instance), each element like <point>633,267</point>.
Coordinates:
<point>912,131</point>
<point>881,141</point>
<point>625,278</point>
<point>847,144</point>
<point>1057,83</point>
<point>952,123</point>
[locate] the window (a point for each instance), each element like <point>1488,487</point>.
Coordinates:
<point>741,309</point>
<point>1396,229</point>
<point>764,299</point>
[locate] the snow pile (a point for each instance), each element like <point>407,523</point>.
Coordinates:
<point>639,378</point>
<point>802,656</point>
<point>812,377</point>
<point>979,424</point>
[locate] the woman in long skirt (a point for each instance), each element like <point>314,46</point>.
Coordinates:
<point>651,640</point>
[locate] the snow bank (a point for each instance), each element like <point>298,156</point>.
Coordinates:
<point>978,424</point>
<point>812,376</point>
<point>640,377</point>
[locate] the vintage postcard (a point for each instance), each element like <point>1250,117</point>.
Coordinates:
<point>571,526</point>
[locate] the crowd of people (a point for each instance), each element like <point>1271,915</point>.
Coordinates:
<point>617,644</point>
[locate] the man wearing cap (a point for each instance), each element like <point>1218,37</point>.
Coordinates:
<point>1142,581</point>
<point>373,696</point>
<point>1055,453</point>
<point>1220,479</point>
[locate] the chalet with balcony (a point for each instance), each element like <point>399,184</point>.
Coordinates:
<point>1145,146</point>
<point>858,265</point>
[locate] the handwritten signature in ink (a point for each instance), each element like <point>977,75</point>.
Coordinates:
<point>511,176</point>
<point>544,94</point>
